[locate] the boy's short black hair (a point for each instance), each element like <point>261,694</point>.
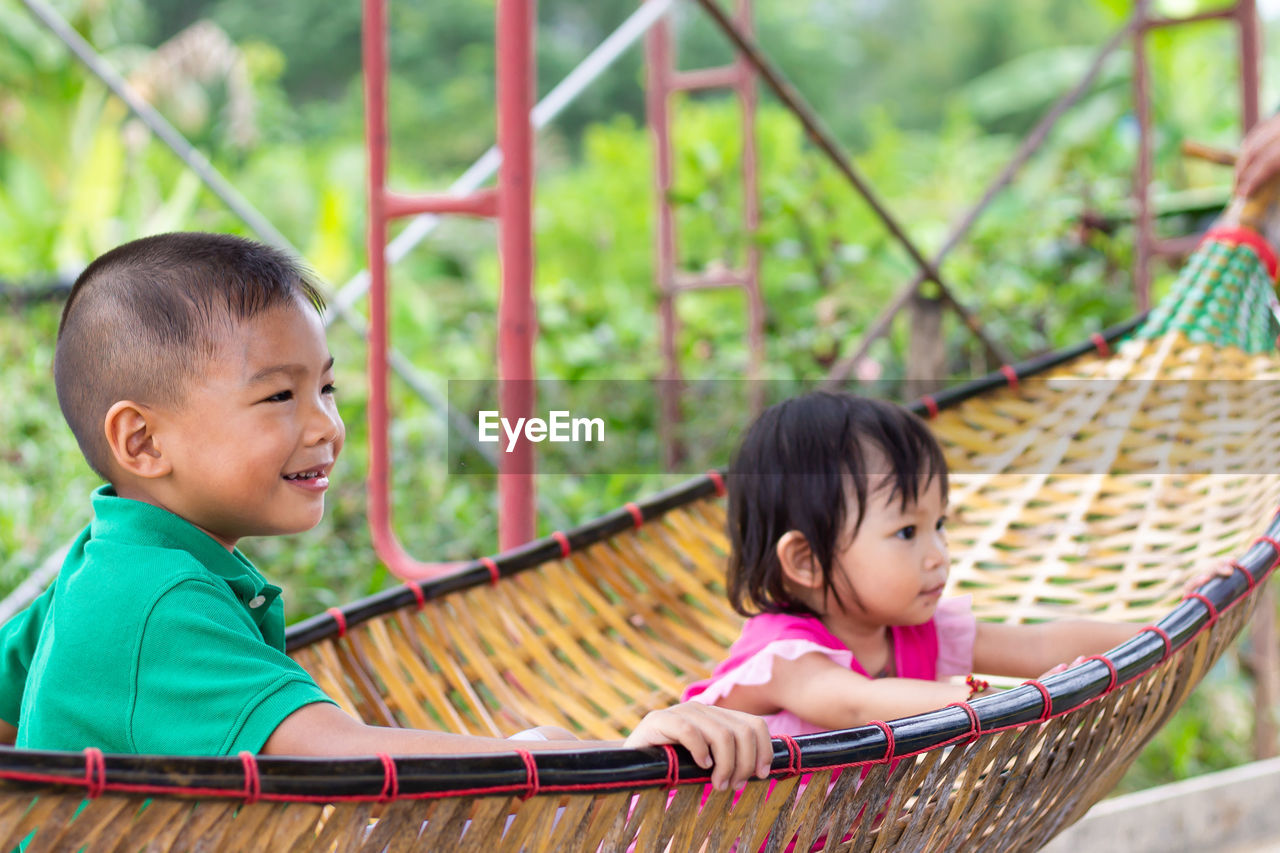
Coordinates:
<point>143,318</point>
<point>792,471</point>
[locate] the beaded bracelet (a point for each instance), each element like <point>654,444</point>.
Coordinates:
<point>976,685</point>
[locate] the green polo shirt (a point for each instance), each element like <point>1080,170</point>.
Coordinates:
<point>154,639</point>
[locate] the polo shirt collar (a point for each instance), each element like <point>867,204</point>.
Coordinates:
<point>124,520</point>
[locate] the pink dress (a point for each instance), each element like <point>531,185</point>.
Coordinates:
<point>940,648</point>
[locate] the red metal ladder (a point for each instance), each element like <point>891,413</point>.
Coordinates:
<point>663,81</point>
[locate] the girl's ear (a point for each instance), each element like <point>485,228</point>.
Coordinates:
<point>799,566</point>
<point>130,431</point>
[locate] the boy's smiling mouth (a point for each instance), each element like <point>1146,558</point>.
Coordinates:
<point>315,478</point>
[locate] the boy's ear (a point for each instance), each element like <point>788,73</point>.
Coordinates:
<point>799,566</point>
<point>130,430</point>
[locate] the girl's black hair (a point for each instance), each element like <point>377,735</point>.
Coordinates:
<point>790,473</point>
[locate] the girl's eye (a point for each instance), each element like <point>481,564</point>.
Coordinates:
<point>942,523</point>
<point>280,397</point>
<point>908,532</point>
<point>328,388</point>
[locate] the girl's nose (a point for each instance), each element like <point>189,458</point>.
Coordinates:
<point>939,554</point>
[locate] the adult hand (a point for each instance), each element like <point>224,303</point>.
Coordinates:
<point>737,744</point>
<point>1222,570</point>
<point>1259,159</point>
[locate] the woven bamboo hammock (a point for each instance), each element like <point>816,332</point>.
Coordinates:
<point>1093,481</point>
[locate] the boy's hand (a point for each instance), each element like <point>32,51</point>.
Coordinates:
<point>1222,570</point>
<point>544,733</point>
<point>737,744</point>
<point>1061,667</point>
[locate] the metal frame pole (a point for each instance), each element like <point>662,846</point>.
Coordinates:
<point>826,142</point>
<point>748,97</point>
<point>147,114</point>
<point>658,70</point>
<point>516,313</point>
<point>1143,248</point>
<point>385,205</point>
<point>843,369</point>
<point>543,113</point>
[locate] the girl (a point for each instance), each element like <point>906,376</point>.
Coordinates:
<point>837,523</point>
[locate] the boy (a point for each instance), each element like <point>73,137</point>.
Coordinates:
<point>194,372</point>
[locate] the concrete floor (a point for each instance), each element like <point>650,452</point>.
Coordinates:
<point>1234,811</point>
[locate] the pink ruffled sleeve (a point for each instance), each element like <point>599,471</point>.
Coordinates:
<point>957,627</point>
<point>758,668</point>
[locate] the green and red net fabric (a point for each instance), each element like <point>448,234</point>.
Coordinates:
<point>1224,295</point>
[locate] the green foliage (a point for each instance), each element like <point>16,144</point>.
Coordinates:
<point>1212,731</point>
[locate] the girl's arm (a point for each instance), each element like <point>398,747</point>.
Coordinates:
<point>822,692</point>
<point>1028,651</point>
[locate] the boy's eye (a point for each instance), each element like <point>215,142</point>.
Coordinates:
<point>279,397</point>
<point>942,523</point>
<point>908,532</point>
<point>328,388</point>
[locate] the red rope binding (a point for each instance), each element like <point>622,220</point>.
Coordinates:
<point>1274,545</point>
<point>564,543</point>
<point>636,515</point>
<point>1213,611</point>
<point>975,726</point>
<point>717,481</point>
<point>252,782</point>
<point>417,594</point>
<point>1248,575</point>
<point>673,766</point>
<point>390,780</point>
<point>1010,375</point>
<point>930,405</point>
<point>1111,667</point>
<point>889,747</point>
<point>1047,710</point>
<point>793,755</point>
<point>95,772</point>
<point>1100,343</point>
<point>530,774</point>
<point>340,618</point>
<point>1163,635</point>
<point>1241,236</point>
<point>489,564</point>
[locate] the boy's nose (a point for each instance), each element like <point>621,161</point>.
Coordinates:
<point>326,424</point>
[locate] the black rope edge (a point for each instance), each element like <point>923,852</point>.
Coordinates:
<point>322,779</point>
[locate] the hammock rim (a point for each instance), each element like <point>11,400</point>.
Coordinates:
<point>370,779</point>
<point>327,780</point>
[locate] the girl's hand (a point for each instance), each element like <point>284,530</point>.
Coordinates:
<point>1222,570</point>
<point>737,744</point>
